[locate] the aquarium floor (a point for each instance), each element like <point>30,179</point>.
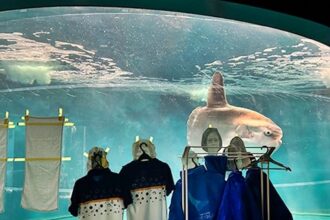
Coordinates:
<point>295,217</point>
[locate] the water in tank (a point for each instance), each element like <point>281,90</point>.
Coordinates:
<point>119,73</point>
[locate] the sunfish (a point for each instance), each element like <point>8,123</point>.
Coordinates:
<point>252,127</point>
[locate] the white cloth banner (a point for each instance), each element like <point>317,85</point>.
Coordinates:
<point>42,163</point>
<point>3,156</point>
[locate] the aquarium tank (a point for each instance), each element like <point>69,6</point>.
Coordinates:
<point>120,73</point>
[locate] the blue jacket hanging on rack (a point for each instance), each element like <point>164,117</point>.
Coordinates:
<point>238,202</point>
<point>205,188</point>
<point>278,209</point>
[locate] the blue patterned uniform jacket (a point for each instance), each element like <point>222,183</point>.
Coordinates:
<point>205,188</point>
<point>95,195</point>
<point>238,202</point>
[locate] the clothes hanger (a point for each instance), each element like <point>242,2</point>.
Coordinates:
<point>97,158</point>
<point>194,162</point>
<point>266,157</point>
<point>144,155</point>
<point>235,163</point>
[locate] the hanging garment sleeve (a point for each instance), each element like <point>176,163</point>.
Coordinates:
<point>169,180</point>
<point>176,211</point>
<point>124,180</point>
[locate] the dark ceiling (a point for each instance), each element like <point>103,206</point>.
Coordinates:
<point>311,10</point>
<point>306,18</point>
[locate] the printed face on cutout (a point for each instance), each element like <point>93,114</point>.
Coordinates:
<point>213,141</point>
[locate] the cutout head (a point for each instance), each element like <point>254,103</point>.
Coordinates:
<point>147,146</point>
<point>97,159</point>
<point>237,148</point>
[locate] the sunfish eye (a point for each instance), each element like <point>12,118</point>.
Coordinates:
<point>268,133</point>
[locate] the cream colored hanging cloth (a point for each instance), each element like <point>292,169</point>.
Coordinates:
<point>3,160</point>
<point>42,163</point>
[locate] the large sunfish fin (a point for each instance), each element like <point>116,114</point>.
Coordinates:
<point>216,97</point>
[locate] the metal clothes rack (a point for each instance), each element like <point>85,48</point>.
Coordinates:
<point>264,158</point>
<point>62,121</point>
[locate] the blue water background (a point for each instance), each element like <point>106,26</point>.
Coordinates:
<point>150,70</point>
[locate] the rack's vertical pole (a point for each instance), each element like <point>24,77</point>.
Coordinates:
<point>262,190</point>
<point>186,194</point>
<point>268,200</point>
<point>184,197</point>
<point>186,185</point>
<point>183,194</point>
